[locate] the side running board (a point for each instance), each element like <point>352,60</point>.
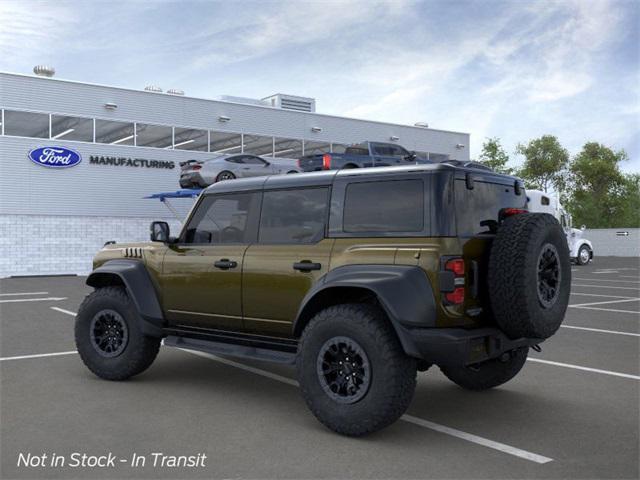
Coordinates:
<point>219,348</point>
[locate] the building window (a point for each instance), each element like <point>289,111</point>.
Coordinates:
<point>26,124</point>
<point>71,128</point>
<point>190,139</point>
<point>401,211</point>
<point>293,216</point>
<point>287,148</point>
<point>114,133</point>
<point>258,145</point>
<point>338,147</point>
<point>223,142</point>
<point>313,148</point>
<point>157,136</point>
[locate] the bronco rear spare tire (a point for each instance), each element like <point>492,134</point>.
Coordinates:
<point>529,276</point>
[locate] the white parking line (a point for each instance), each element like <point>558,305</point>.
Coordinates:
<point>586,369</point>
<point>628,276</point>
<point>62,310</point>
<point>606,271</point>
<point>598,295</point>
<point>609,310</point>
<point>23,293</point>
<point>599,330</point>
<point>47,299</point>
<point>606,280</point>
<point>469,437</point>
<point>41,355</point>
<point>606,286</point>
<point>632,299</point>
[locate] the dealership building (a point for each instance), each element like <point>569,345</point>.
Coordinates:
<point>127,144</point>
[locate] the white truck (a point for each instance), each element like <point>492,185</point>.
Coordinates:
<point>580,249</point>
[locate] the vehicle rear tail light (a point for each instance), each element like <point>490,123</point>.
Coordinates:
<point>455,265</point>
<point>509,212</point>
<point>456,297</point>
<point>299,162</point>
<point>452,280</point>
<point>196,167</point>
<point>326,161</point>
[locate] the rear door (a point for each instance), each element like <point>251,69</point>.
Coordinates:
<point>291,254</point>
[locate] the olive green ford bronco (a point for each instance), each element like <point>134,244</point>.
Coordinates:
<point>359,277</point>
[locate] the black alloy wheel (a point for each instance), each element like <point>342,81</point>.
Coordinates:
<point>109,333</point>
<point>549,275</point>
<point>343,369</point>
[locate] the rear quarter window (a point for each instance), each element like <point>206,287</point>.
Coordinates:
<point>384,207</point>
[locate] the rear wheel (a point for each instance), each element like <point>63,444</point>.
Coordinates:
<point>225,175</point>
<point>529,276</point>
<point>488,374</point>
<point>353,372</point>
<point>584,255</point>
<point>108,335</point>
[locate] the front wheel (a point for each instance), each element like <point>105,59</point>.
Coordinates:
<point>108,335</point>
<point>353,372</point>
<point>488,374</point>
<point>584,255</point>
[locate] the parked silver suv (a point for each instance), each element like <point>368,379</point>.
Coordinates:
<point>202,173</point>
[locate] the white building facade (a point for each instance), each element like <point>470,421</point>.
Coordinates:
<point>129,144</point>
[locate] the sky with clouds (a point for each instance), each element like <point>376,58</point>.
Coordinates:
<point>514,70</point>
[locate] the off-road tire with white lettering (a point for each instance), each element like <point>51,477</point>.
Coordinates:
<point>488,374</point>
<point>514,276</point>
<point>140,350</point>
<point>392,373</point>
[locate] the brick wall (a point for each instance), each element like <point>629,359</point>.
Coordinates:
<point>44,245</point>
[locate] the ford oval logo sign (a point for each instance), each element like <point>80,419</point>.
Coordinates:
<point>55,157</point>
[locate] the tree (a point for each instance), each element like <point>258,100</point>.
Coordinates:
<point>494,156</point>
<point>545,163</point>
<point>601,195</point>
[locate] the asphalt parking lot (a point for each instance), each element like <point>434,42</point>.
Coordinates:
<point>573,412</point>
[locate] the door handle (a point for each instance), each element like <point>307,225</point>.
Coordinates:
<point>225,264</point>
<point>306,266</point>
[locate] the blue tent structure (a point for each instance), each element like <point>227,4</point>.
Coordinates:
<point>184,193</point>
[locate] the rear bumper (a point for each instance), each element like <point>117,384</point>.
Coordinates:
<point>459,347</point>
<point>191,179</point>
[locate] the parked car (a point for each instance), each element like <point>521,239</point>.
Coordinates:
<point>580,249</point>
<point>360,278</point>
<point>366,154</point>
<point>202,173</point>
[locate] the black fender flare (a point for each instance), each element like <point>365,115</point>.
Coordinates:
<point>403,291</point>
<point>135,277</point>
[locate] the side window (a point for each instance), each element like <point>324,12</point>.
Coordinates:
<point>293,216</point>
<point>385,206</point>
<point>399,151</point>
<point>224,219</point>
<point>238,159</point>
<point>251,160</point>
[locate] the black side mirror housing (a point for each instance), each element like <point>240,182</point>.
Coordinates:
<point>159,232</point>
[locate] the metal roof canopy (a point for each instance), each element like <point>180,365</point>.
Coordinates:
<point>184,193</point>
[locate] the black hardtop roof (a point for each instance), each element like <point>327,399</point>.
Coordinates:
<point>327,177</point>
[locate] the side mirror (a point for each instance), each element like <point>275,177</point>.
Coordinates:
<point>159,232</point>
<point>583,228</point>
<point>411,157</point>
<point>266,164</point>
